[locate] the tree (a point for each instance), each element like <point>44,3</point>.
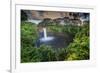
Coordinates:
<point>23,15</point>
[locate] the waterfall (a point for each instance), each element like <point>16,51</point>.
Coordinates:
<point>46,38</point>
<point>45,33</point>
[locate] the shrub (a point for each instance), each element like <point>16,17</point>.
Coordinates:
<point>71,29</point>
<point>28,38</point>
<point>79,48</point>
<point>28,33</point>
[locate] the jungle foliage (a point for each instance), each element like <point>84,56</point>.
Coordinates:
<point>78,49</point>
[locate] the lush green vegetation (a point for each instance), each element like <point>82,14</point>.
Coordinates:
<point>78,49</point>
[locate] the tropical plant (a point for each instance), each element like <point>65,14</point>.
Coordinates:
<point>79,48</point>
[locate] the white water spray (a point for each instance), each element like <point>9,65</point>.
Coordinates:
<point>46,38</point>
<point>45,33</point>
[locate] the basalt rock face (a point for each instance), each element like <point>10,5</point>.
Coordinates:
<point>60,21</point>
<point>64,18</point>
<point>45,14</point>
